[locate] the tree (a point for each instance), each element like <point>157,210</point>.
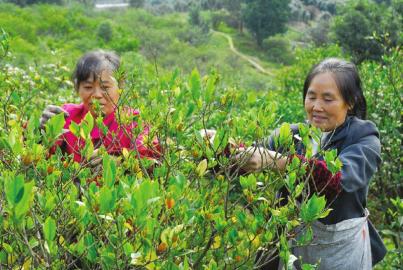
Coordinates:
<point>31,2</point>
<point>266,18</point>
<point>235,8</point>
<point>137,3</point>
<point>365,29</point>
<point>211,4</point>
<point>194,15</point>
<point>319,34</point>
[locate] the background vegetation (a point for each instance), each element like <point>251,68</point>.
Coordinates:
<point>187,214</point>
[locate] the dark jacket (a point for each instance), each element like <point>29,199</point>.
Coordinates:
<point>358,148</point>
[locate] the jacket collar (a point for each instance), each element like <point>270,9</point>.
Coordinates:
<point>339,134</point>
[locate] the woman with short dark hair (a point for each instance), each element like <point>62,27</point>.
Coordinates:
<point>99,90</point>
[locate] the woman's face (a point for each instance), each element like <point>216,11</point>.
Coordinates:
<point>324,104</point>
<point>102,89</point>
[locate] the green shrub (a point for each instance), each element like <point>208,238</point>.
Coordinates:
<point>384,103</point>
<point>105,31</point>
<point>278,50</point>
<point>125,45</point>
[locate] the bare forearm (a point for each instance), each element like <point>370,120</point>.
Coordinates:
<point>255,159</point>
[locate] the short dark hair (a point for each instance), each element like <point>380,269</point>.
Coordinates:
<point>93,63</point>
<point>347,80</point>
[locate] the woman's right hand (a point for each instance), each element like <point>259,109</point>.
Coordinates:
<point>49,112</point>
<point>255,159</point>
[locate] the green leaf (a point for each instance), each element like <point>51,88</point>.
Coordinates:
<point>80,247</point>
<point>309,266</point>
<point>107,200</point>
<point>285,136</point>
<point>3,257</point>
<point>201,168</point>
<point>325,213</point>
<point>290,180</point>
<point>284,249</point>
<point>195,85</point>
<point>186,264</point>
<point>7,248</point>
<point>4,144</point>
<point>33,124</point>
<point>24,204</point>
<point>15,97</point>
<point>74,128</point>
<point>14,188</point>
<point>220,139</point>
<point>248,181</point>
<point>89,148</point>
<point>49,202</point>
<point>49,229</point>
<point>180,181</point>
<point>54,126</point>
<point>128,249</point>
<point>303,131</point>
<point>90,245</point>
<point>333,163</point>
<point>232,236</point>
<point>313,209</point>
<point>298,190</point>
<point>306,236</point>
<point>89,120</point>
<point>87,124</point>
<point>165,236</point>
<point>100,124</point>
<point>142,193</point>
<point>191,107</point>
<point>109,170</point>
<point>15,141</point>
<point>210,88</point>
<point>108,258</point>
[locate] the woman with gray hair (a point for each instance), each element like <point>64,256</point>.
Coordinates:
<point>334,102</point>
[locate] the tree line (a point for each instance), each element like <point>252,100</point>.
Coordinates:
<point>365,28</point>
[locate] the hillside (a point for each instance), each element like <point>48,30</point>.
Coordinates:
<point>59,34</point>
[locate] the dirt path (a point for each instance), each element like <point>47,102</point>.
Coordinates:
<point>243,56</point>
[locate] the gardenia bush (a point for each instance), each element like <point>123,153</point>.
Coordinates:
<point>192,209</point>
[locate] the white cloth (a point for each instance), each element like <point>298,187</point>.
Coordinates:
<point>341,246</point>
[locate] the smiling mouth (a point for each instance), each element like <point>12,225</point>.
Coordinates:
<point>318,118</point>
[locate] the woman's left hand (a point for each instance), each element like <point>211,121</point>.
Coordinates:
<point>95,162</point>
